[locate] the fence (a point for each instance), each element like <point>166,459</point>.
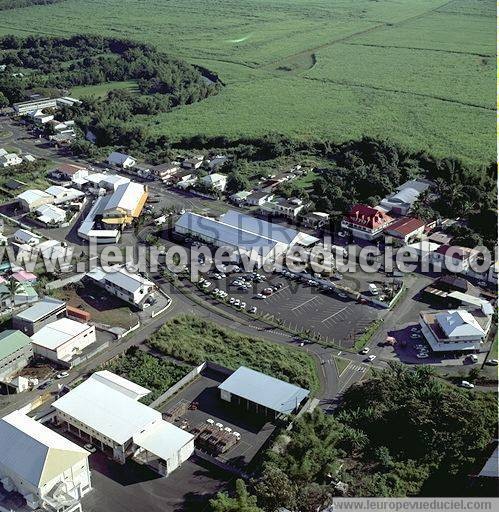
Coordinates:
<point>60,283</point>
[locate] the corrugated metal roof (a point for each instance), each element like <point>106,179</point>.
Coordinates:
<point>118,383</point>
<point>41,309</point>
<point>107,411</point>
<point>11,341</point>
<point>55,334</point>
<point>262,389</point>
<point>458,323</point>
<point>34,452</point>
<point>126,197</point>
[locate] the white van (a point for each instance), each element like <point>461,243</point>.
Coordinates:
<point>373,289</point>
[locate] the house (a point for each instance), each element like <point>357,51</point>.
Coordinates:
<point>407,194</point>
<point>125,204</point>
<point>259,197</point>
<point>193,163</point>
<point>316,220</point>
<point>33,318</point>
<point>454,258</point>
<point>24,277</point>
<point>406,229</point>
<point>29,158</point>
<point>23,236</point>
<point>282,207</point>
<point>106,412</point>
<point>455,330</point>
<point>121,160</point>
<point>439,237</point>
<point>69,171</point>
<point>239,197</point>
<point>30,200</point>
<point>51,215</point>
<point>442,288</point>
<point>15,353</point>
<point>9,159</point>
<point>365,222</point>
<point>40,118</point>
<point>61,340</point>
<point>216,162</point>
<point>214,181</point>
<point>165,171</point>
<point>62,138</point>
<point>131,288</point>
<point>63,195</point>
<point>25,107</point>
<point>260,394</point>
<point>112,181</point>
<point>47,470</point>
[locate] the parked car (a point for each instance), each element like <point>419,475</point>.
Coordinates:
<point>365,350</point>
<point>61,375</point>
<point>253,310</point>
<point>422,355</point>
<point>90,448</point>
<point>493,362</point>
<point>267,291</point>
<point>473,358</point>
<point>371,358</point>
<point>232,300</point>
<point>467,385</point>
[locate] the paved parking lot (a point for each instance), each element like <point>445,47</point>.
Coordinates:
<point>254,430</point>
<point>301,307</point>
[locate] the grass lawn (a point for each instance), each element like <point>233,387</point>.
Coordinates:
<point>103,307</point>
<point>418,73</point>
<point>493,349</point>
<point>193,340</point>
<point>101,90</point>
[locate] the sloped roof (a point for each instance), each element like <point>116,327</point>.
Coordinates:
<point>458,323</point>
<point>12,341</point>
<point>366,216</point>
<point>42,308</point>
<point>265,390</point>
<point>32,195</point>
<point>405,226</point>
<point>126,196</point>
<point>118,158</point>
<point>34,452</point>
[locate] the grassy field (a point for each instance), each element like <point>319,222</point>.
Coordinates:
<point>193,340</point>
<point>101,90</point>
<point>420,73</point>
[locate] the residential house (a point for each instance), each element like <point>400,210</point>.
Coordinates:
<point>9,159</point>
<point>215,181</point>
<point>239,197</point>
<point>282,207</point>
<point>15,353</point>
<point>69,171</point>
<point>193,163</point>
<point>64,194</point>
<point>23,236</point>
<point>316,220</point>
<point>121,160</point>
<point>33,318</point>
<point>365,222</point>
<point>30,200</point>
<point>51,215</point>
<point>259,197</point>
<point>454,258</point>
<point>165,172</point>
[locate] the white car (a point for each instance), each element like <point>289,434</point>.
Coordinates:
<point>253,309</point>
<point>260,296</point>
<point>365,350</point>
<point>232,300</point>
<point>422,355</point>
<point>493,362</point>
<point>242,305</point>
<point>237,302</point>
<point>371,358</point>
<point>415,336</point>
<point>467,385</point>
<point>61,375</point>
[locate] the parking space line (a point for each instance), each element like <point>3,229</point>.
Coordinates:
<point>334,314</point>
<point>303,304</point>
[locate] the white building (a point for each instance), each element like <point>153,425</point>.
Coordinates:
<point>131,288</point>
<point>51,215</point>
<point>9,159</point>
<point>62,340</point>
<point>406,195</point>
<point>30,200</point>
<point>125,204</point>
<point>26,107</point>
<point>93,230</point>
<point>121,160</point>
<point>48,470</point>
<point>102,411</point>
<point>455,330</point>
<point>23,236</point>
<point>280,206</point>
<point>64,194</point>
<point>215,181</point>
<point>454,258</point>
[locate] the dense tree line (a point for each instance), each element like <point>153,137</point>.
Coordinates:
<point>403,432</point>
<point>5,5</point>
<point>57,64</point>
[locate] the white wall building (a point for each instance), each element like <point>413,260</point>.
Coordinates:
<point>23,236</point>
<point>64,194</point>
<point>131,288</point>
<point>99,411</point>
<point>9,159</point>
<point>121,160</point>
<point>62,340</point>
<point>48,470</point>
<point>215,181</point>
<point>30,200</point>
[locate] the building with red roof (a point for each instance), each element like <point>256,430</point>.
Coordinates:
<point>406,229</point>
<point>365,222</point>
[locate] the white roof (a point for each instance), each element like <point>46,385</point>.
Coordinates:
<point>96,178</point>
<point>55,334</point>
<point>34,452</point>
<point>458,323</point>
<point>120,277</point>
<point>214,178</point>
<point>118,383</point>
<point>32,195</point>
<point>51,213</point>
<point>114,179</point>
<point>126,197</point>
<point>163,439</point>
<point>107,411</point>
<point>25,235</point>
<point>64,193</point>
<point>87,227</point>
<point>424,246</point>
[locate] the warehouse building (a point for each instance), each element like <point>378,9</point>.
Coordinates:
<point>62,340</point>
<point>245,235</point>
<point>16,352</point>
<point>40,314</point>
<point>125,204</point>
<point>261,394</point>
<point>49,471</point>
<point>30,200</point>
<point>104,410</point>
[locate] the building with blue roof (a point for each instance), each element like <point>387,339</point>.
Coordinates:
<point>262,394</point>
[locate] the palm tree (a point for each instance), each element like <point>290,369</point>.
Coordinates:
<point>13,288</point>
